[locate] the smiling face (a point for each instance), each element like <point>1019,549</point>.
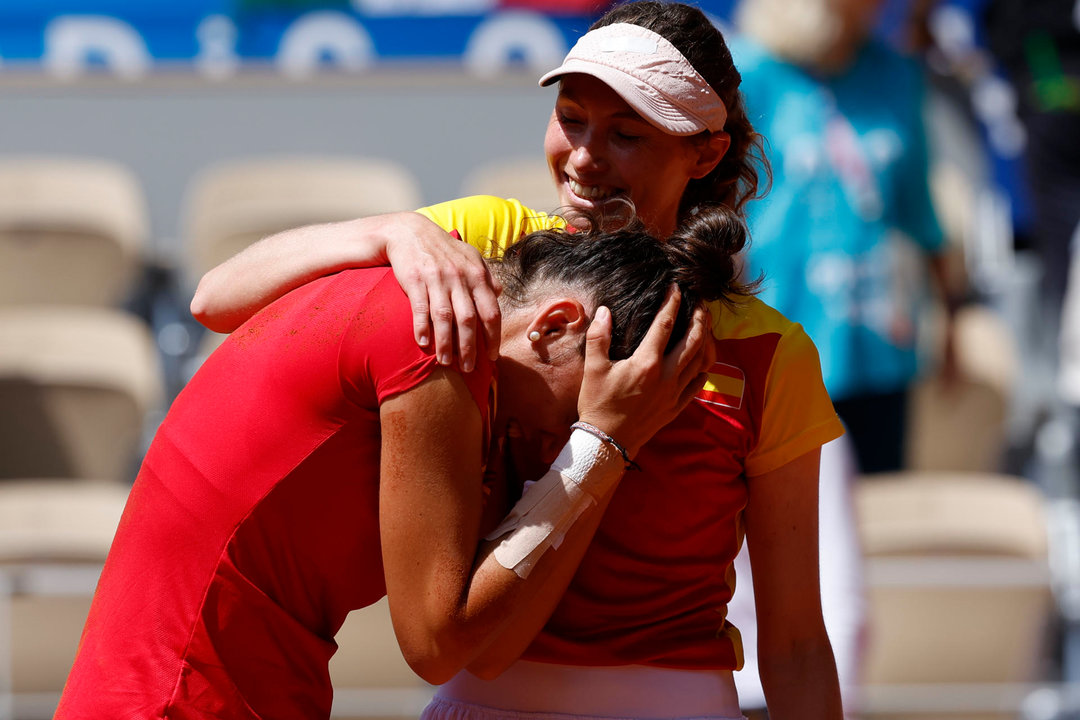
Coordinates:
<point>598,148</point>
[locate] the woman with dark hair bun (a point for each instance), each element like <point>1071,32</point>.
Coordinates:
<point>648,111</point>
<point>353,467</point>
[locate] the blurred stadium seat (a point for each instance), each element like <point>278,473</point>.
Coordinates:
<point>72,231</point>
<point>233,204</point>
<point>527,179</point>
<point>371,679</point>
<point>963,424</point>
<point>79,388</point>
<point>959,591</point>
<point>54,536</point>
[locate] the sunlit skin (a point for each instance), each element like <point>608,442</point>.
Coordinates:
<point>598,148</point>
<point>539,382</point>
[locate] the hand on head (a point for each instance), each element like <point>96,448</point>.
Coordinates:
<point>454,297</point>
<point>632,399</point>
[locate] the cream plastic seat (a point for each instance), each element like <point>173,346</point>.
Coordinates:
<point>72,231</point>
<point>54,537</point>
<point>959,592</point>
<point>371,678</point>
<point>523,178</point>
<point>963,426</point>
<point>233,204</point>
<point>78,388</point>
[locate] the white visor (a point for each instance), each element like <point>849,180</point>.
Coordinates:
<point>650,74</point>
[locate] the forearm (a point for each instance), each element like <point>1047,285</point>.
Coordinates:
<point>232,292</point>
<point>538,595</point>
<point>484,617</point>
<point>800,681</point>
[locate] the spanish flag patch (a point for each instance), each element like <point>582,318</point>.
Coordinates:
<point>724,386</point>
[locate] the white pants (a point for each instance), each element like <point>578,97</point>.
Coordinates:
<point>541,691</point>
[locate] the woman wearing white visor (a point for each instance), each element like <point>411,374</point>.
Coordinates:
<point>648,110</point>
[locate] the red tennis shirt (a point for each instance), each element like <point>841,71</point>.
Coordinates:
<point>252,529</point>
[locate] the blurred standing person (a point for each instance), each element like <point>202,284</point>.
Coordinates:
<point>842,113</point>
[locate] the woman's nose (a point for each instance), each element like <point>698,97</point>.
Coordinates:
<point>587,154</point>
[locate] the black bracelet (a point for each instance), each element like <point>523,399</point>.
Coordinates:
<point>598,433</point>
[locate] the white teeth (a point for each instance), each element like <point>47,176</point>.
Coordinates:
<point>588,192</point>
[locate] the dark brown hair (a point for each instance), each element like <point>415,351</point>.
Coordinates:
<point>736,179</point>
<point>629,271</point>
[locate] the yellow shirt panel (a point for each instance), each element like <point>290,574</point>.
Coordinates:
<point>489,223</point>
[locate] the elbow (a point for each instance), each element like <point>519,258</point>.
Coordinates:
<point>433,668</point>
<point>430,672</point>
<point>202,309</point>
<point>199,309</point>
<point>200,306</point>
<point>488,669</point>
<point>436,660</point>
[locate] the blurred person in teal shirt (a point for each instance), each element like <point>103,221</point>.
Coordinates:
<point>841,112</point>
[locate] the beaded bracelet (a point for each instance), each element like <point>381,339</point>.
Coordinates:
<point>597,432</point>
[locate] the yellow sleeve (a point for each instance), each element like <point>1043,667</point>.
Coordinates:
<point>489,223</point>
<point>798,414</point>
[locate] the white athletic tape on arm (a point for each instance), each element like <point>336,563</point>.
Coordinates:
<point>585,470</point>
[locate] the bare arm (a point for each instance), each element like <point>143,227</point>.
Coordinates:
<point>232,292</point>
<point>449,600</point>
<point>453,296</point>
<point>454,606</point>
<point>631,400</point>
<point>798,671</point>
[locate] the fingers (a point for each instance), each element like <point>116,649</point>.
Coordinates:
<point>454,299</point>
<point>417,293</point>
<point>690,346</point>
<point>656,339</point>
<point>692,388</point>
<point>598,340</point>
<point>463,321</point>
<point>695,355</point>
<point>486,298</point>
<point>475,307</point>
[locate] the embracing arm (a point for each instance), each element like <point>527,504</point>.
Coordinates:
<point>449,600</point>
<point>451,292</point>
<point>232,292</point>
<point>798,671</point>
<point>453,605</point>
<point>631,400</point>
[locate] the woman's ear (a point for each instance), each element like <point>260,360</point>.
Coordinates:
<point>556,321</point>
<point>710,151</point>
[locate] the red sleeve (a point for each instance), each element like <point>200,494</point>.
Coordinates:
<point>380,355</point>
